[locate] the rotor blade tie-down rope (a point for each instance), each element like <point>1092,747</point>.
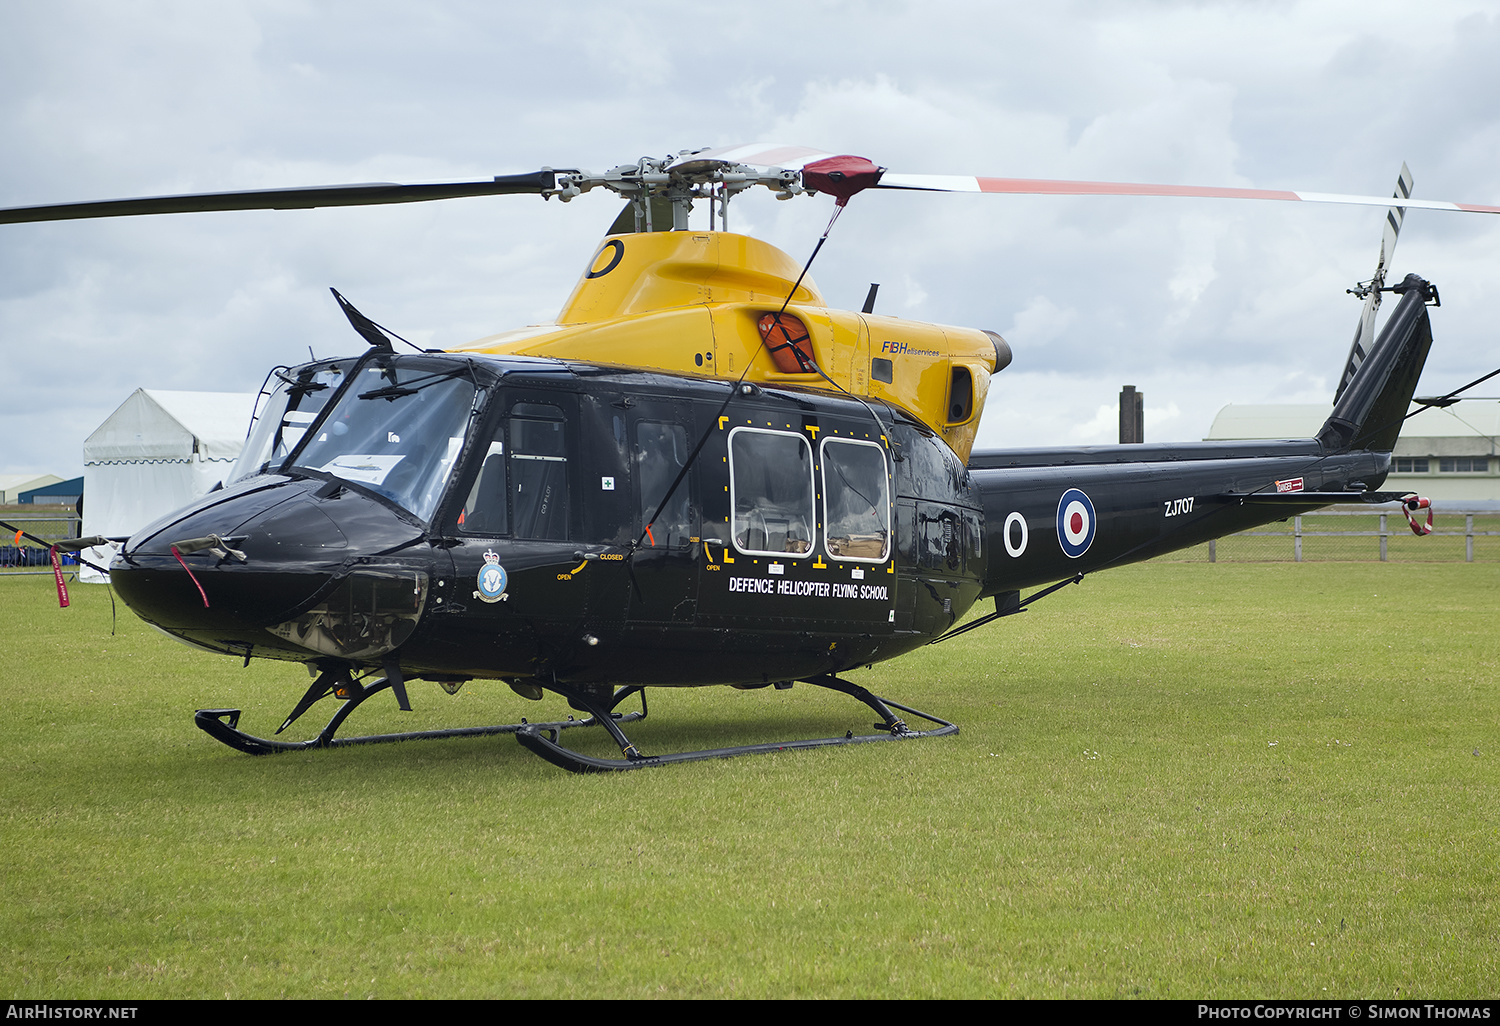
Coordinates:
<point>62,587</point>
<point>190,576</point>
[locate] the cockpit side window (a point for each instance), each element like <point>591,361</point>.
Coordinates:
<point>771,492</point>
<point>538,466</point>
<point>856,500</point>
<point>288,412</point>
<point>522,486</point>
<point>486,511</point>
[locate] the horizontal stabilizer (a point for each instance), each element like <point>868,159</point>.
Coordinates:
<point>1312,498</point>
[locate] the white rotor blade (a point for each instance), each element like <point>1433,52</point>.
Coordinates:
<point>1049,187</point>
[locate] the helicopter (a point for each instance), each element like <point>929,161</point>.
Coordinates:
<point>699,474</point>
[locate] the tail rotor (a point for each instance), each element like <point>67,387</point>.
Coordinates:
<point>1370,291</point>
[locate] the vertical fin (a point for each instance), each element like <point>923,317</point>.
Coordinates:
<point>1370,412</point>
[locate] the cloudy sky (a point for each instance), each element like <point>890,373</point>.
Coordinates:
<point>1198,303</point>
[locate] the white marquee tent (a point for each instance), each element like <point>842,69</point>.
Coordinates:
<point>158,452</point>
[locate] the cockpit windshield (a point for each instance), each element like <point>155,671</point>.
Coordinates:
<point>295,402</point>
<point>397,429</point>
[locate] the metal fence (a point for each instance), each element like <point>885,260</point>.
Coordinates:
<point>1341,535</point>
<point>51,524</point>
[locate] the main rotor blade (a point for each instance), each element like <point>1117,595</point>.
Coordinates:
<point>1049,187</point>
<point>366,194</point>
<point>796,157</point>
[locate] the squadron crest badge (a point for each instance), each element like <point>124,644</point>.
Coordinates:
<point>492,579</point>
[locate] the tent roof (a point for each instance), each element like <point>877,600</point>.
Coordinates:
<point>157,424</point>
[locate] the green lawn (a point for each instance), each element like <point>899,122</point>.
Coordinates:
<point>1175,780</point>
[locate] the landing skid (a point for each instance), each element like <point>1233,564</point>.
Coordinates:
<point>542,738</point>
<point>223,725</point>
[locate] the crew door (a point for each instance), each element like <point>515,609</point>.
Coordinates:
<point>522,512</point>
<point>665,586</point>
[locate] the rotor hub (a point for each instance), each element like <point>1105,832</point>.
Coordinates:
<point>664,189</point>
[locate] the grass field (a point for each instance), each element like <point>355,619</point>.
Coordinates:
<point>1175,780</point>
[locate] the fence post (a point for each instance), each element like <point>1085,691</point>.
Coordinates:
<point>1384,535</point>
<point>1297,535</point>
<point>1212,550</point>
<point>1469,538</point>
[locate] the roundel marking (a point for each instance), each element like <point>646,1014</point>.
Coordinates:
<point>1075,522</point>
<point>614,261</point>
<point>1015,549</point>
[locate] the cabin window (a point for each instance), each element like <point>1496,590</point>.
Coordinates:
<point>538,471</point>
<point>771,492</point>
<point>661,451</point>
<point>856,500</point>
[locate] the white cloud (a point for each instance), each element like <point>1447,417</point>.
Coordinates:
<point>1039,322</point>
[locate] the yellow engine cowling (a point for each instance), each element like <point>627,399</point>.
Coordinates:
<point>692,302</point>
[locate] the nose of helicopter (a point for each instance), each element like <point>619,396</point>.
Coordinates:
<point>279,566</point>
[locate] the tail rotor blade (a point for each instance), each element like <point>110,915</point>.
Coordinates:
<point>1364,332</point>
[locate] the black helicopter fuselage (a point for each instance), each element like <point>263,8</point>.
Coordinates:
<point>545,529</point>
<point>453,517</point>
<point>809,535</point>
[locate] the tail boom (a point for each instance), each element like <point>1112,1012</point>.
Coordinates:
<point>1050,514</point>
<point>1047,523</point>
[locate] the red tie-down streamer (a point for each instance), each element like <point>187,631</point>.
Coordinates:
<point>1411,506</point>
<point>57,573</point>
